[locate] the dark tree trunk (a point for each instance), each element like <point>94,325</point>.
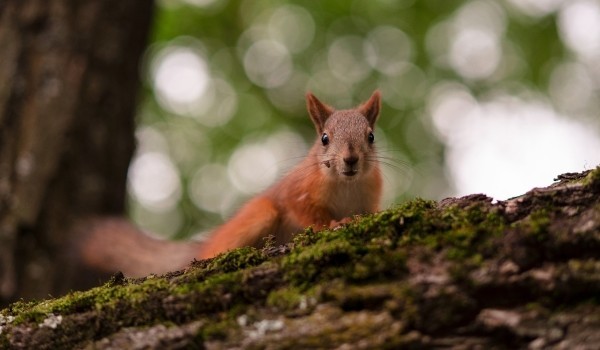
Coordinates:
<point>68,81</point>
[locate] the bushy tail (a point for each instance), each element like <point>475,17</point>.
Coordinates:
<point>112,244</point>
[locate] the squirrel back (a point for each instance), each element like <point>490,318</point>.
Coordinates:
<point>340,177</point>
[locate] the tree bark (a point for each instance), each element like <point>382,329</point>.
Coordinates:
<point>464,273</point>
<point>68,85</point>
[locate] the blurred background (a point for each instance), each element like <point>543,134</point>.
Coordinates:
<point>479,96</point>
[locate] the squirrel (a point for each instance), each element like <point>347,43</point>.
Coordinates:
<point>340,177</point>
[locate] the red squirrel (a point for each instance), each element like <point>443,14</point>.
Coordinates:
<point>340,177</point>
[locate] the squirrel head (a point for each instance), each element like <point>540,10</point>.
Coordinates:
<point>345,144</point>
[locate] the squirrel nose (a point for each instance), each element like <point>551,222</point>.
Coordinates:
<point>350,160</point>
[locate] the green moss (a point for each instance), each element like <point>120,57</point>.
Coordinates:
<point>237,259</point>
<point>323,260</point>
<point>141,303</point>
<point>103,297</point>
<point>399,299</point>
<point>217,329</point>
<point>19,307</point>
<point>287,298</point>
<point>535,307</point>
<point>305,238</point>
<point>377,244</point>
<point>385,226</point>
<point>411,210</point>
<point>211,290</point>
<point>378,264</point>
<point>330,265</point>
<point>355,297</point>
<point>370,248</point>
<point>36,312</point>
<point>462,232</point>
<point>536,224</point>
<point>591,267</point>
<point>593,178</point>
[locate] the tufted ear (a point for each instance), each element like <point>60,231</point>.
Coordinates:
<point>318,111</point>
<point>370,109</point>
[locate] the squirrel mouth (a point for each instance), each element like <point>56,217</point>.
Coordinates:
<point>351,172</point>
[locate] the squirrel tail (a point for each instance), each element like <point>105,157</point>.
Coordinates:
<point>112,244</point>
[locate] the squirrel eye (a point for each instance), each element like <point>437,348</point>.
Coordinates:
<point>325,139</point>
<point>371,137</point>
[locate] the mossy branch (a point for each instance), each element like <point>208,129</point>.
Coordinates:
<point>462,272</point>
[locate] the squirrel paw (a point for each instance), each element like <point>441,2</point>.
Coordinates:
<point>337,224</point>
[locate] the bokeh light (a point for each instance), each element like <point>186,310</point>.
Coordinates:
<point>505,145</point>
<point>211,189</point>
<point>181,79</point>
<point>479,96</point>
<point>268,63</point>
<point>388,50</point>
<point>154,181</point>
<point>347,61</point>
<point>292,26</point>
<point>579,27</point>
<point>536,8</point>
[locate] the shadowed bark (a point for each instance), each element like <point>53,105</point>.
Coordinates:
<point>68,80</point>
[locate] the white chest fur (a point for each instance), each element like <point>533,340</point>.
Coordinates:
<point>349,198</point>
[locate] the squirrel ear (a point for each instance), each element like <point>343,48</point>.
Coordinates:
<point>319,112</point>
<point>370,109</point>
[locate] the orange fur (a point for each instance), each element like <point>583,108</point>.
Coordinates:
<point>314,193</point>
<point>337,179</point>
<point>255,220</point>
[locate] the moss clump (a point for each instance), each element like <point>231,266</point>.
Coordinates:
<point>536,224</point>
<point>592,179</point>
<point>212,291</point>
<point>307,237</point>
<point>217,329</point>
<point>377,264</point>
<point>19,309</point>
<point>461,231</point>
<point>372,296</point>
<point>289,299</point>
<point>237,259</point>
<point>378,245</point>
<point>363,250</point>
<point>37,311</point>
<point>340,259</point>
<point>325,260</point>
<point>469,228</point>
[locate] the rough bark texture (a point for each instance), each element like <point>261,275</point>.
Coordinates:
<point>68,81</point>
<point>462,273</point>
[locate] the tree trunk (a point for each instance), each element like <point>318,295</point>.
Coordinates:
<point>68,81</point>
